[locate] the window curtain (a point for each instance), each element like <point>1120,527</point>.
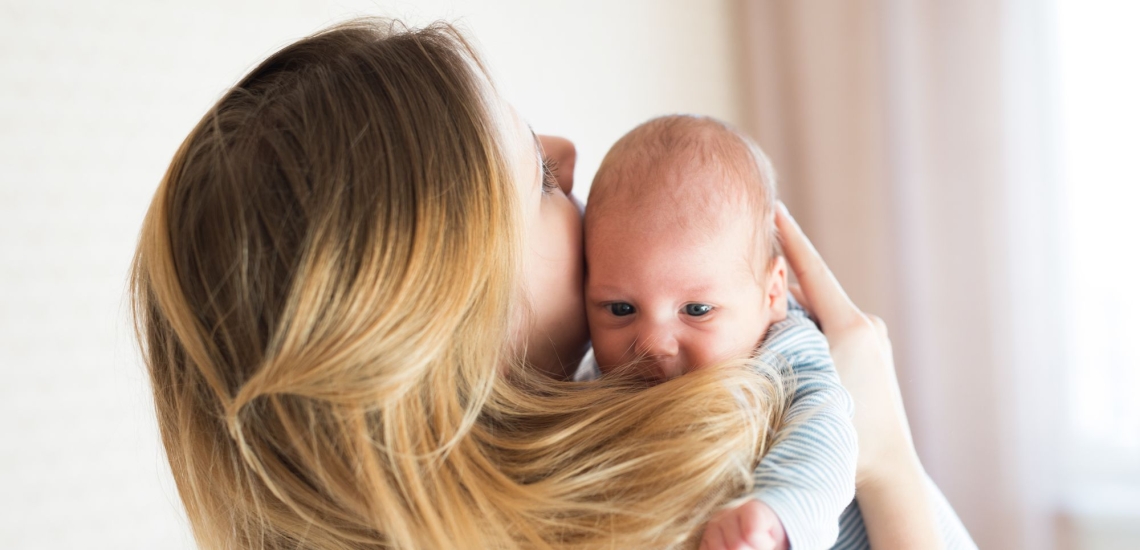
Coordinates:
<point>914,144</point>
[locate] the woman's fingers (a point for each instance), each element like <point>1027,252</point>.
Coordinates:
<point>819,287</point>
<point>880,327</point>
<point>861,348</point>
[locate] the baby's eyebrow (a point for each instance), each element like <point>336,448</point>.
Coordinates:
<point>692,290</point>
<point>702,289</point>
<point>607,290</point>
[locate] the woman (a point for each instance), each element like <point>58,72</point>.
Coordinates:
<point>346,285</point>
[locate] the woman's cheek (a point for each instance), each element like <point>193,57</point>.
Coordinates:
<point>559,280</point>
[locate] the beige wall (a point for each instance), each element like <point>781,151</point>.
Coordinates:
<point>94,99</point>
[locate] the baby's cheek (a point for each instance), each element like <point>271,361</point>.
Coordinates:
<point>736,338</point>
<point>607,349</point>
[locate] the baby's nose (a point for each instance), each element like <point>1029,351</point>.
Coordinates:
<point>658,342</point>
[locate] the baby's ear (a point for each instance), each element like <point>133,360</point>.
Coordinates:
<point>776,290</point>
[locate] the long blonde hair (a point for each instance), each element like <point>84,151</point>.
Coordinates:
<point>322,290</point>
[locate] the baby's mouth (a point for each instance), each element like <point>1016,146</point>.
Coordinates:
<point>649,370</point>
<point>662,369</point>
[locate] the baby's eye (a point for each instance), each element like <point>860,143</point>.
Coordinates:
<point>696,310</point>
<point>621,309</point>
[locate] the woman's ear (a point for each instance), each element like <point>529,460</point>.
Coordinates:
<point>776,290</point>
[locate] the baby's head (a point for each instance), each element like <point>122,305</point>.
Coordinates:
<point>683,266</point>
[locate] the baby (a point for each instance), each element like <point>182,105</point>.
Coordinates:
<point>684,271</point>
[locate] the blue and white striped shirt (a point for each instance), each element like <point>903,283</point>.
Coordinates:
<point>808,475</point>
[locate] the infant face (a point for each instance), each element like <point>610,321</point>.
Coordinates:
<point>678,299</point>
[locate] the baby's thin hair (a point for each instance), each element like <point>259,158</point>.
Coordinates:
<point>652,152</point>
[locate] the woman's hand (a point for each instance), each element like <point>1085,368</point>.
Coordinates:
<point>862,353</point>
<point>890,482</point>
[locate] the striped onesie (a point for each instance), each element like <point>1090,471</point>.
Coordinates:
<point>808,475</point>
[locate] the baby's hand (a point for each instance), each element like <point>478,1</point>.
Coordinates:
<point>752,525</point>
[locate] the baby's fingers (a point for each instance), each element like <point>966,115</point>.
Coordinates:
<point>759,527</point>
<point>713,539</point>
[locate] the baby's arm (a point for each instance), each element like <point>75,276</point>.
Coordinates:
<point>808,475</point>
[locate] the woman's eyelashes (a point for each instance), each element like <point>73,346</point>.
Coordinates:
<point>549,175</point>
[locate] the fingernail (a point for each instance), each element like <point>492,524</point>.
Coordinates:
<point>783,208</point>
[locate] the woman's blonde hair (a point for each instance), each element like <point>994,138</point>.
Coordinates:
<point>322,290</point>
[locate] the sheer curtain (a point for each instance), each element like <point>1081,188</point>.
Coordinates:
<point>914,141</point>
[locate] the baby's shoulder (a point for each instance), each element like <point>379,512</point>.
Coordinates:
<point>797,338</point>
